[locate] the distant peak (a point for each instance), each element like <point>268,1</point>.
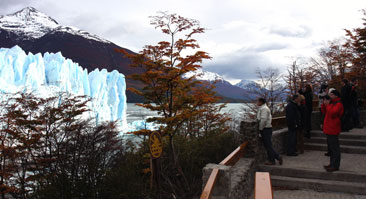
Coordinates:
<point>30,14</point>
<point>28,9</point>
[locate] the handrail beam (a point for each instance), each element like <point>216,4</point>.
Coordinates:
<point>207,191</point>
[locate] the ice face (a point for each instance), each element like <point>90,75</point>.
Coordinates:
<point>53,73</point>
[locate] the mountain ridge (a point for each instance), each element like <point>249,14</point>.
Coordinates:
<point>37,32</point>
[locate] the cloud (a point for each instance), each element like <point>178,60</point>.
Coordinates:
<point>9,6</point>
<point>270,46</point>
<point>301,31</point>
<point>242,35</point>
<point>241,64</point>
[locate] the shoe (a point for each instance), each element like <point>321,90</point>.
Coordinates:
<point>270,163</point>
<point>326,166</point>
<point>280,160</point>
<point>293,154</point>
<point>327,154</point>
<point>330,169</point>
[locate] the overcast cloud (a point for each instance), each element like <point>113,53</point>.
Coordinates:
<point>242,35</point>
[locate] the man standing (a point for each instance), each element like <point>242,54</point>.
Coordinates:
<point>333,110</point>
<point>293,123</point>
<point>264,118</point>
<point>346,101</point>
<point>354,105</point>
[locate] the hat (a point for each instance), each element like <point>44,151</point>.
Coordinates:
<point>330,90</point>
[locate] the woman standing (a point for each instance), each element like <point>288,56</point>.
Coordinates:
<point>308,94</point>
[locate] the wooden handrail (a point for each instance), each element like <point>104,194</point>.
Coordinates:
<point>263,186</point>
<point>207,191</point>
<point>234,156</point>
<point>230,160</point>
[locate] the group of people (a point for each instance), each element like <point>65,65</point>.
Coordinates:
<point>339,112</point>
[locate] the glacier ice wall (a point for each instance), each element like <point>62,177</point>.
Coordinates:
<point>53,73</point>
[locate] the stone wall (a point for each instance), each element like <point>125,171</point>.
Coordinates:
<point>234,182</point>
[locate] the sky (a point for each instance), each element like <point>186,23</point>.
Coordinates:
<point>242,36</point>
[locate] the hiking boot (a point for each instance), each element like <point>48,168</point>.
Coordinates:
<point>330,169</point>
<point>270,163</point>
<point>280,160</point>
<point>326,166</point>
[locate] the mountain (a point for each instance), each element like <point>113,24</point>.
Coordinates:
<point>36,32</point>
<point>225,89</point>
<point>51,73</point>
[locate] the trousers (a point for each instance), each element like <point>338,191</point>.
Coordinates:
<point>335,151</point>
<point>291,141</point>
<point>267,143</point>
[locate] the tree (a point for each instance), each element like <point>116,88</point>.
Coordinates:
<point>356,40</point>
<point>177,100</point>
<point>268,87</point>
<point>50,148</point>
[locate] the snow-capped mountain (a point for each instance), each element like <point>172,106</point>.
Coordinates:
<point>36,32</point>
<point>222,87</point>
<point>245,83</point>
<point>204,75</point>
<point>29,23</point>
<point>52,73</point>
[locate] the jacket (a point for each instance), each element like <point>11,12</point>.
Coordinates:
<point>308,99</point>
<point>303,113</point>
<point>346,95</point>
<point>353,96</point>
<point>293,117</point>
<point>264,117</point>
<point>333,113</point>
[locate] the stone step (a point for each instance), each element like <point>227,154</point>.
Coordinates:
<point>346,176</point>
<point>347,142</point>
<point>318,185</point>
<point>343,135</point>
<point>344,149</point>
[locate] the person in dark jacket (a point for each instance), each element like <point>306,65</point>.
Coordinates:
<point>322,94</point>
<point>333,110</point>
<point>354,104</point>
<point>300,130</point>
<point>346,101</point>
<point>308,94</point>
<point>293,123</point>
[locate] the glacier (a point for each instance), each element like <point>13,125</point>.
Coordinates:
<point>52,73</point>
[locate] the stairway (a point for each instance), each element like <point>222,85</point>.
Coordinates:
<point>351,142</point>
<point>306,172</point>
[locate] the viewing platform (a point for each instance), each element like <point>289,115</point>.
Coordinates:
<point>299,177</point>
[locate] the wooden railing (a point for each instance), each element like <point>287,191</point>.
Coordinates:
<point>228,161</point>
<point>263,186</point>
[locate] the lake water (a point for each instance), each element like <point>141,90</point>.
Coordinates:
<point>137,113</point>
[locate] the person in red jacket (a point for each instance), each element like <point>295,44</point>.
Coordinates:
<point>333,110</point>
